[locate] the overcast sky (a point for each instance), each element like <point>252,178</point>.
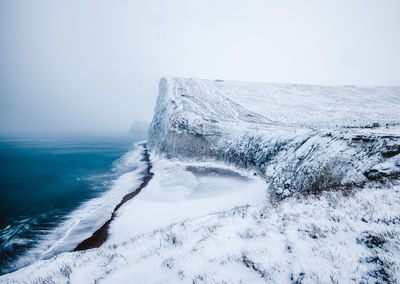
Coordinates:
<point>94,66</point>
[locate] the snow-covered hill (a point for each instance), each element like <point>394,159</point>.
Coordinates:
<point>255,183</point>
<point>297,137</point>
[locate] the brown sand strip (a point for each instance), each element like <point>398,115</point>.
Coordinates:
<point>100,236</point>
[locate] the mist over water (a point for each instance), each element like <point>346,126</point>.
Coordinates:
<point>43,181</point>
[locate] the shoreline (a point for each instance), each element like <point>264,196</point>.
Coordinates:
<point>100,236</point>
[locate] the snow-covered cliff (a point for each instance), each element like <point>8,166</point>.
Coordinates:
<point>206,218</point>
<point>297,137</point>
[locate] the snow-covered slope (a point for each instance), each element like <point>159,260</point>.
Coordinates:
<point>324,239</point>
<point>297,137</point>
<point>223,154</point>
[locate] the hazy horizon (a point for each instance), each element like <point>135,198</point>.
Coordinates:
<point>94,66</point>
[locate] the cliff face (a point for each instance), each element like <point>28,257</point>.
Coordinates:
<point>297,137</point>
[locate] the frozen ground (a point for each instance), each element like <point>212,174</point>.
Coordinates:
<point>256,183</point>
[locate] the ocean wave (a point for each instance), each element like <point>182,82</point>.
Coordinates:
<point>26,241</point>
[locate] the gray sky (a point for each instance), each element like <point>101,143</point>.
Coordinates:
<point>94,66</point>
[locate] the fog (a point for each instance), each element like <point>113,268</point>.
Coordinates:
<point>94,66</point>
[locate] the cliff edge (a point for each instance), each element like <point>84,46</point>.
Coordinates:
<point>297,137</point>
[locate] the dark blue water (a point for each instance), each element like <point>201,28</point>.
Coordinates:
<point>42,180</point>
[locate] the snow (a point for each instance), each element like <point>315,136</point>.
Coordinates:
<point>326,238</point>
<point>175,194</point>
<point>255,183</point>
<point>319,106</point>
<point>296,136</point>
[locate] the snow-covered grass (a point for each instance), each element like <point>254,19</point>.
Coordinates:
<point>215,237</point>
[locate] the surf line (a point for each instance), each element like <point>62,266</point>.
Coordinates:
<point>100,236</point>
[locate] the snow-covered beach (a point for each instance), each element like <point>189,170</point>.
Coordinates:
<point>101,235</point>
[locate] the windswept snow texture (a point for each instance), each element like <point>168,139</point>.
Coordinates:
<point>297,137</point>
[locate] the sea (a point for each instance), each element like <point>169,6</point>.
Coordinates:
<point>56,190</point>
